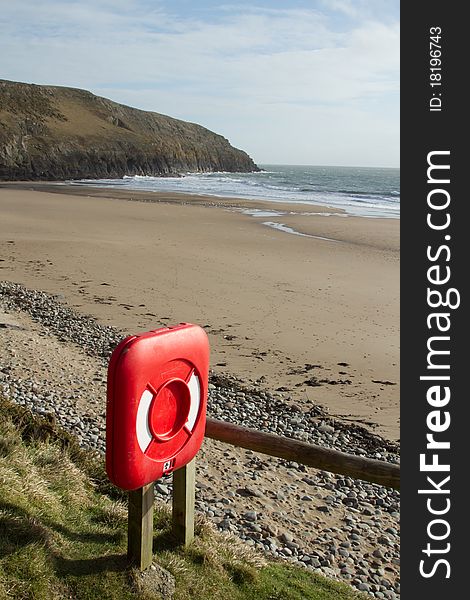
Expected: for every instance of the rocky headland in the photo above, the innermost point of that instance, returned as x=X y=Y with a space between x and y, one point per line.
x=56 y=133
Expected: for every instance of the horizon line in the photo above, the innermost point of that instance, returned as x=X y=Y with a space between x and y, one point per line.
x=283 y=164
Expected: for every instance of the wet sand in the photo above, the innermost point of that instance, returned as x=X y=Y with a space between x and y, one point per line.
x=316 y=319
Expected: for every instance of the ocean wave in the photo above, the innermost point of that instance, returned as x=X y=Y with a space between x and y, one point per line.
x=368 y=192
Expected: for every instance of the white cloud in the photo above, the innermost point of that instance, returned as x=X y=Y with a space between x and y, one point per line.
x=228 y=74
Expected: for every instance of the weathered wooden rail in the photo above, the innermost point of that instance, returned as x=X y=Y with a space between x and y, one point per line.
x=326 y=459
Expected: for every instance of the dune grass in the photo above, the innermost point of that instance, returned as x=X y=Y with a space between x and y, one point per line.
x=63 y=533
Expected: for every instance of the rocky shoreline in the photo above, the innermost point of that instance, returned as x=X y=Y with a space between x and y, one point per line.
x=347 y=528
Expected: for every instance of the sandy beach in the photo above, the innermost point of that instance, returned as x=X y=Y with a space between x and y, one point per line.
x=315 y=319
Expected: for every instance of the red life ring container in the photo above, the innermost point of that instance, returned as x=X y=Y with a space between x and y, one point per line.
x=156 y=408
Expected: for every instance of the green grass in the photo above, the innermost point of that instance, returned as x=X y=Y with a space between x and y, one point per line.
x=63 y=533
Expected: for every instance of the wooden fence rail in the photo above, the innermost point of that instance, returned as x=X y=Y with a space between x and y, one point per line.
x=368 y=469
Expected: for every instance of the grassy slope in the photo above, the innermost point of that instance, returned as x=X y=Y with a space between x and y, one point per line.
x=63 y=533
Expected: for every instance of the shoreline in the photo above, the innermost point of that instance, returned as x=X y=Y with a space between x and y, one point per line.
x=317 y=221
x=89 y=190
x=236 y=191
x=314 y=321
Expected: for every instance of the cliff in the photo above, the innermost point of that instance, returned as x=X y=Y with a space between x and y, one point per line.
x=54 y=133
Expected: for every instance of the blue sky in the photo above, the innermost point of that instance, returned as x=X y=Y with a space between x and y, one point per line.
x=290 y=82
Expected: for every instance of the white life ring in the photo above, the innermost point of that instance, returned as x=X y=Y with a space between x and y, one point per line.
x=142 y=424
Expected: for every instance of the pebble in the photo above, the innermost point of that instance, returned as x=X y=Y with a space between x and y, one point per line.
x=251 y=515
x=162 y=489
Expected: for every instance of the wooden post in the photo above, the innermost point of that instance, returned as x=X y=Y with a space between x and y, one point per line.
x=140 y=527
x=183 y=503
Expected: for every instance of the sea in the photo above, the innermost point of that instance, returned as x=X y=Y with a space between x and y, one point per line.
x=359 y=191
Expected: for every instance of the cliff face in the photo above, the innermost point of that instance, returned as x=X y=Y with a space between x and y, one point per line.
x=54 y=133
